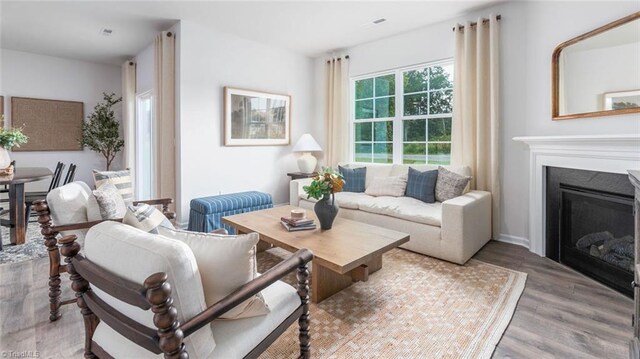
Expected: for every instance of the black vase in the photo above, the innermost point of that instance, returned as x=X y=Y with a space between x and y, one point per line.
x=326 y=210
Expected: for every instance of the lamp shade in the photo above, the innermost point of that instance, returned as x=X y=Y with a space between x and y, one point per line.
x=306 y=143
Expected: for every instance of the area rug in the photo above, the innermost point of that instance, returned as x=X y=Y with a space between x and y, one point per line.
x=32 y=249
x=414 y=307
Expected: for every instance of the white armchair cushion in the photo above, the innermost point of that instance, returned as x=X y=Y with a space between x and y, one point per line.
x=135 y=255
x=73 y=203
x=236 y=338
x=225 y=263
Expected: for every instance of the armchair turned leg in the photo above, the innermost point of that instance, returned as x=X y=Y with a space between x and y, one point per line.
x=303 y=321
x=51 y=243
x=80 y=286
x=165 y=317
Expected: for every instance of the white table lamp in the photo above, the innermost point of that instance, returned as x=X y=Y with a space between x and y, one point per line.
x=306 y=144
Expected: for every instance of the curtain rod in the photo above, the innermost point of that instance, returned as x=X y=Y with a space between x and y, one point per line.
x=339 y=58
x=484 y=21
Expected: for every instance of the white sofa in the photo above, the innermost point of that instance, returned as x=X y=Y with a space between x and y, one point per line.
x=453 y=230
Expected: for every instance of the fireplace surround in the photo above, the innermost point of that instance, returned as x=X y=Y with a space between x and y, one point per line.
x=604 y=153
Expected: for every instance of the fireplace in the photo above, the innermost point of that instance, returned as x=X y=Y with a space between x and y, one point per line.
x=590 y=224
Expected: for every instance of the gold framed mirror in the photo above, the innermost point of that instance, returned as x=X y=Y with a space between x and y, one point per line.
x=598 y=73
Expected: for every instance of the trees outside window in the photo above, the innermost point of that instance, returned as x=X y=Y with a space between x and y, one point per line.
x=404 y=116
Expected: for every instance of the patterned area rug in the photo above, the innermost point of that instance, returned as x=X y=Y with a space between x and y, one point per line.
x=33 y=248
x=414 y=307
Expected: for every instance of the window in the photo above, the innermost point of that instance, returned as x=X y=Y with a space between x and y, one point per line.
x=404 y=116
x=144 y=146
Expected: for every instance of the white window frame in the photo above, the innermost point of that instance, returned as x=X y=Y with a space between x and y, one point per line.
x=399 y=117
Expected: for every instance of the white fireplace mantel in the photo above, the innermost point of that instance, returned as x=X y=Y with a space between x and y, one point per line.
x=605 y=153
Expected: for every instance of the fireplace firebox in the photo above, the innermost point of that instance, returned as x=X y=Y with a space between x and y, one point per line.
x=590 y=224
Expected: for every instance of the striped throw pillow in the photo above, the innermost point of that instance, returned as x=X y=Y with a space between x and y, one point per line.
x=146 y=218
x=120 y=179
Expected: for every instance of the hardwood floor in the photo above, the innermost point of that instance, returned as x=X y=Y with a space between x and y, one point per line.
x=561 y=314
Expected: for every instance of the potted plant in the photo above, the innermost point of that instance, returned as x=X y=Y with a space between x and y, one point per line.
x=102 y=132
x=323 y=188
x=9 y=138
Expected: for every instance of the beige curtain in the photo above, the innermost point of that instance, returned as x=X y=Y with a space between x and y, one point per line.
x=129 y=114
x=164 y=115
x=336 y=111
x=476 y=124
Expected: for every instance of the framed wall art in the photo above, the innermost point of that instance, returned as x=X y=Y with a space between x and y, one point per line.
x=621 y=100
x=253 y=118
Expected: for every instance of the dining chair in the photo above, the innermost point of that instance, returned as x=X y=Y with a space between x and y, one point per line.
x=30 y=197
x=71 y=173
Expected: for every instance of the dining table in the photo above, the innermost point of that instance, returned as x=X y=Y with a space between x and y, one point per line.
x=17 y=217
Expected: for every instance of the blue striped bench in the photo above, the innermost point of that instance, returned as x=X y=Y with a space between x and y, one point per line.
x=207 y=212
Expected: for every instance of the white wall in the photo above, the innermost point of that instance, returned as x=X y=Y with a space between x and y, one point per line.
x=529 y=33
x=144 y=70
x=30 y=75
x=209 y=61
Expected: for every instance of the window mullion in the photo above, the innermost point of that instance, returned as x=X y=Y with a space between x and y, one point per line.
x=397 y=121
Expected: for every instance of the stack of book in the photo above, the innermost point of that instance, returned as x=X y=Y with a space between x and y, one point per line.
x=297 y=224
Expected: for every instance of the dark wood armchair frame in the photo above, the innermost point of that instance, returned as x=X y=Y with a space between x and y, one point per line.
x=50 y=233
x=155 y=294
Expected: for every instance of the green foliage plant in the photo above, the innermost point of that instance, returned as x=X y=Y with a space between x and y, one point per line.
x=102 y=132
x=13 y=137
x=326 y=182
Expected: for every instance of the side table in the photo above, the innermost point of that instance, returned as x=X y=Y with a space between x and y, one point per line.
x=299 y=175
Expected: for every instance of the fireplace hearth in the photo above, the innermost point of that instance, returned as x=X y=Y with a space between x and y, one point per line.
x=590 y=224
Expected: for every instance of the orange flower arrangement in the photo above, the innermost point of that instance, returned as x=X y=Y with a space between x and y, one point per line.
x=326 y=182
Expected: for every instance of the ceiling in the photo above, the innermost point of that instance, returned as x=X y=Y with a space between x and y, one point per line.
x=72 y=29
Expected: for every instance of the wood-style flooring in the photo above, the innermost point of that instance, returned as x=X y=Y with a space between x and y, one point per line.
x=561 y=314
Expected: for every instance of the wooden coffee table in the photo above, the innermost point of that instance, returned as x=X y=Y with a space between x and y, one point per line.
x=347 y=253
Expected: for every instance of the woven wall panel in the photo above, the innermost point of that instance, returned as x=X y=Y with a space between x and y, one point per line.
x=50 y=124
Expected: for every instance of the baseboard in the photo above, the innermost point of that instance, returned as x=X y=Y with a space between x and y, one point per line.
x=182 y=225
x=524 y=242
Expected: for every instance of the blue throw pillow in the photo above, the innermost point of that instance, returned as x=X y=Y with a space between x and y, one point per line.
x=354 y=178
x=422 y=185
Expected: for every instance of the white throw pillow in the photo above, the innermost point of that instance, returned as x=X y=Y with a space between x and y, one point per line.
x=393 y=186
x=225 y=263
x=112 y=205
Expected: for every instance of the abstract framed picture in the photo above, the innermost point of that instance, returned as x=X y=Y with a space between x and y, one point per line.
x=621 y=100
x=253 y=118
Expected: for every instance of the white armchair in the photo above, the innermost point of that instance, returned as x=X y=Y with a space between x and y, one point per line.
x=141 y=296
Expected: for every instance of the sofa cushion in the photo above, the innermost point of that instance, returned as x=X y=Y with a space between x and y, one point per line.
x=225 y=263
x=73 y=203
x=422 y=185
x=407 y=208
x=354 y=178
x=450 y=184
x=388 y=186
x=135 y=255
x=236 y=338
x=351 y=200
